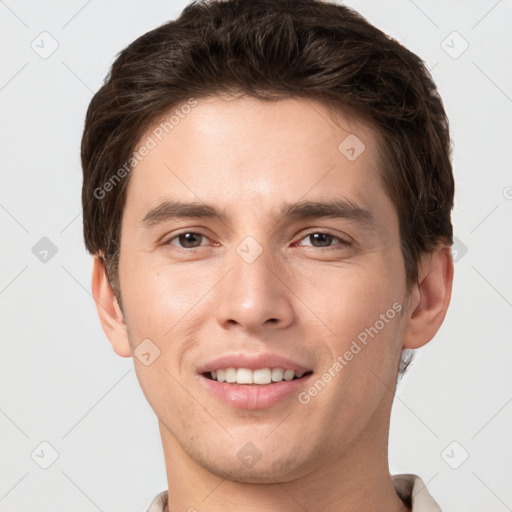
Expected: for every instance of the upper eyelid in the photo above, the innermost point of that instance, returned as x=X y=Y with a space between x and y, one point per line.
x=326 y=232
x=176 y=235
x=348 y=240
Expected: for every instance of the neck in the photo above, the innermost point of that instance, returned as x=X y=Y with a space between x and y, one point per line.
x=354 y=481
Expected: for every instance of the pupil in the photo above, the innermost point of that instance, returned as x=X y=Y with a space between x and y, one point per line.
x=188 y=239
x=323 y=238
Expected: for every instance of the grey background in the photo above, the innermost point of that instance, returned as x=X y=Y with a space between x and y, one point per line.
x=60 y=382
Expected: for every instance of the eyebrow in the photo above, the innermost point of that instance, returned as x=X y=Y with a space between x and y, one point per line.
x=172 y=210
x=336 y=208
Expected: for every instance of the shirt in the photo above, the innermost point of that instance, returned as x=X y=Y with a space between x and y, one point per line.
x=410 y=488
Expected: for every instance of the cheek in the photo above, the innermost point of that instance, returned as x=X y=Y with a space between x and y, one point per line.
x=167 y=306
x=156 y=298
x=361 y=306
x=161 y=312
x=349 y=298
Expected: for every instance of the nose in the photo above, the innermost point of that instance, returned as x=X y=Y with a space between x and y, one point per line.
x=255 y=295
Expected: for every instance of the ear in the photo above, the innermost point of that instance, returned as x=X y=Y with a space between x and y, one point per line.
x=430 y=298
x=110 y=313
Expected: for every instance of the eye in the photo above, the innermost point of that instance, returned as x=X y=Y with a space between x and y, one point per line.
x=321 y=239
x=188 y=240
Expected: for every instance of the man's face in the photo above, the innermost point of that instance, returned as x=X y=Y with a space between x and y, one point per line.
x=262 y=290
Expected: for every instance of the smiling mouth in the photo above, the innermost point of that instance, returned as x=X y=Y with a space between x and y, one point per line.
x=262 y=376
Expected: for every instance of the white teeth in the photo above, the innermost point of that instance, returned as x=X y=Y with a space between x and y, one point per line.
x=277 y=374
x=288 y=375
x=231 y=375
x=244 y=376
x=260 y=376
x=263 y=376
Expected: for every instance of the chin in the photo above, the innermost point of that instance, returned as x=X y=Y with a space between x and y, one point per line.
x=276 y=466
x=260 y=474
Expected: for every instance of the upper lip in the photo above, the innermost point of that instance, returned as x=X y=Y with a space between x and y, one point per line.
x=252 y=362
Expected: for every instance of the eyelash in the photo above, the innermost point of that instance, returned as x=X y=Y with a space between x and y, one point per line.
x=342 y=241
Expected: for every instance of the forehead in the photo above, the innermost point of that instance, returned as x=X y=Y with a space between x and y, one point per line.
x=247 y=153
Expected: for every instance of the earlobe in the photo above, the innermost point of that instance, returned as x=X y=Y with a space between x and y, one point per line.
x=111 y=316
x=430 y=298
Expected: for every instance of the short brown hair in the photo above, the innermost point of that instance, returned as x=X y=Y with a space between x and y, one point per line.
x=271 y=50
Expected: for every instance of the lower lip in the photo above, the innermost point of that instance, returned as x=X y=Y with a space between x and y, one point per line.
x=254 y=396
